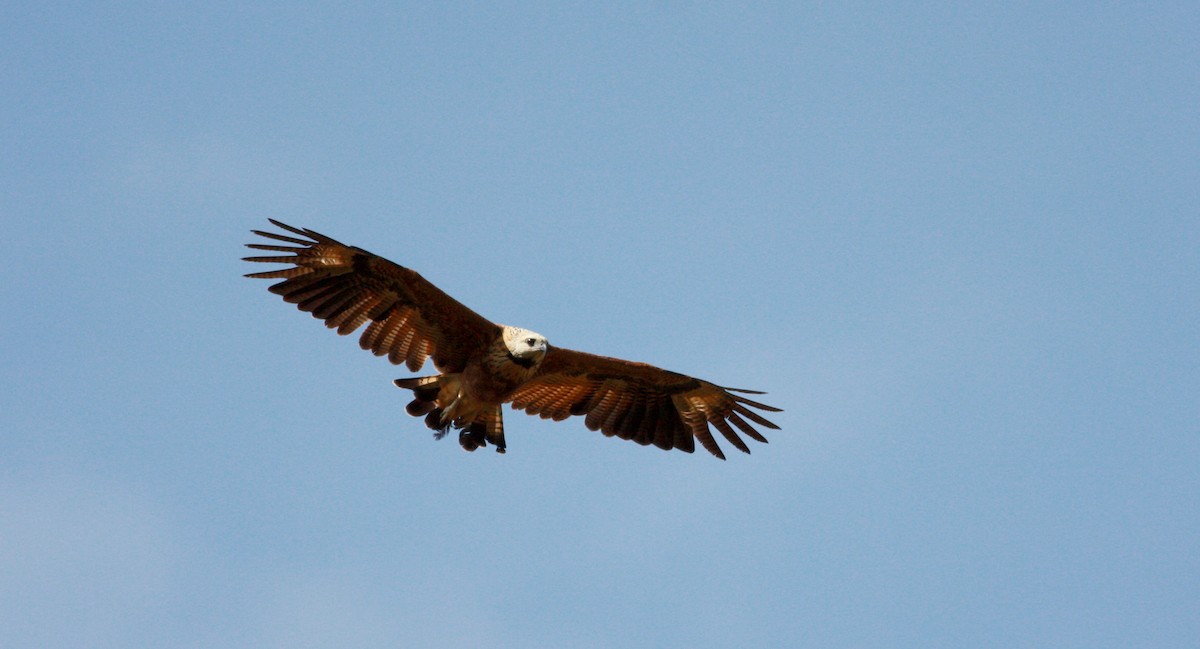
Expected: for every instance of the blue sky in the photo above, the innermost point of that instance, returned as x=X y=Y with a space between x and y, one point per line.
x=959 y=245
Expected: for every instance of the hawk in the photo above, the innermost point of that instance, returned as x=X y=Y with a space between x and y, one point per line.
x=482 y=365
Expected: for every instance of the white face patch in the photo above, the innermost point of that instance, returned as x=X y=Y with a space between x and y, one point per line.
x=525 y=344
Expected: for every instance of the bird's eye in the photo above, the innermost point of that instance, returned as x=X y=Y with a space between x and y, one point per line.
x=530 y=341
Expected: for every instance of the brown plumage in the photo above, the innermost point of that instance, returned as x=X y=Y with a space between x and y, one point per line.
x=483 y=365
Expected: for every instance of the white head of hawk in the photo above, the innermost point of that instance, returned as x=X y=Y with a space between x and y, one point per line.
x=525 y=347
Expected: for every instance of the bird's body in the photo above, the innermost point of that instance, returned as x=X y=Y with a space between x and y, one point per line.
x=471 y=399
x=483 y=365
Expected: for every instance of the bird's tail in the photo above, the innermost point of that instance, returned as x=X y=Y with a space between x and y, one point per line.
x=440 y=400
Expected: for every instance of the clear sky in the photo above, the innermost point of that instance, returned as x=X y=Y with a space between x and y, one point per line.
x=959 y=244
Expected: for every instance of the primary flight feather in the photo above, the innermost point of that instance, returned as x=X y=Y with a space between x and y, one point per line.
x=483 y=365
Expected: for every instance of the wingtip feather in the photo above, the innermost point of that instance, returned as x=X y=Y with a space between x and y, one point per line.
x=743 y=390
x=756 y=404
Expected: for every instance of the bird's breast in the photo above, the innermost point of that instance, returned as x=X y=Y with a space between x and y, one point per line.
x=495 y=377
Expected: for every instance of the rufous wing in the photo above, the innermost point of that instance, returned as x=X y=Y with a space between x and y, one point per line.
x=347 y=287
x=640 y=402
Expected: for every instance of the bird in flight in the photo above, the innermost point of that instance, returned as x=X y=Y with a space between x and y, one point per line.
x=482 y=365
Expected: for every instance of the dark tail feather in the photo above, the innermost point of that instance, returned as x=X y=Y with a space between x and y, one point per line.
x=425 y=389
x=493 y=427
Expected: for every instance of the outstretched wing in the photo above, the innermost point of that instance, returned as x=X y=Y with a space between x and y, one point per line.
x=411 y=319
x=639 y=402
